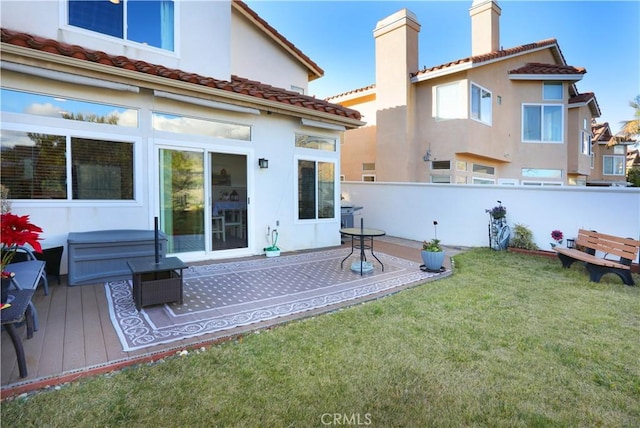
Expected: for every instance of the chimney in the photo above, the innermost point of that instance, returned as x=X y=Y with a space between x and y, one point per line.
x=396 y=41
x=485 y=26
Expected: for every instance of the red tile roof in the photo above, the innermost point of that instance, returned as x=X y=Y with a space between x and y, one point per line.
x=236 y=84
x=477 y=59
x=538 y=68
x=587 y=98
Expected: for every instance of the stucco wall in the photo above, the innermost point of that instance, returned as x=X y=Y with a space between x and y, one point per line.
x=407 y=210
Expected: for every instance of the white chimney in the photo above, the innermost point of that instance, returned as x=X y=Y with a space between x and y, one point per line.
x=485 y=26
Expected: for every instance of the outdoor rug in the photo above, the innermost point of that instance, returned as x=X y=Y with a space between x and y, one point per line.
x=225 y=295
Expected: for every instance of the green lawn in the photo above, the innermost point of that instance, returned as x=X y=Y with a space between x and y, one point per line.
x=508 y=340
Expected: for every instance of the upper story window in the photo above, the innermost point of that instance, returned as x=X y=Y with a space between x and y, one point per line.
x=480 y=104
x=552 y=91
x=613 y=165
x=150 y=22
x=542 y=123
x=447 y=101
x=586 y=143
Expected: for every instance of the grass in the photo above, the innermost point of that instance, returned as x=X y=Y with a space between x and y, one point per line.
x=509 y=340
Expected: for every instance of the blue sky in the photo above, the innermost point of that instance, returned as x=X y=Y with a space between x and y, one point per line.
x=601 y=36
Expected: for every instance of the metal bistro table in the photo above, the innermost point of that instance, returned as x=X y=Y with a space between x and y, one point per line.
x=362 y=239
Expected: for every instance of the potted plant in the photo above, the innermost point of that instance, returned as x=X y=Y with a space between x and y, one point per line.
x=15 y=231
x=432 y=253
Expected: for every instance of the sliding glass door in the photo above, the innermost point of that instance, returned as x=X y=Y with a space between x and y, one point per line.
x=203 y=204
x=229 y=201
x=182 y=199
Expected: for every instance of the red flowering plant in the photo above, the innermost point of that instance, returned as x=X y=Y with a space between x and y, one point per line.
x=16 y=231
x=557 y=236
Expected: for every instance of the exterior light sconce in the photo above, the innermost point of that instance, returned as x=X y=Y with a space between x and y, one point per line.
x=571 y=243
x=263 y=163
x=427 y=156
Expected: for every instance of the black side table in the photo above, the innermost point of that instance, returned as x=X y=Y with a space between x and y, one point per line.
x=157 y=283
x=20 y=309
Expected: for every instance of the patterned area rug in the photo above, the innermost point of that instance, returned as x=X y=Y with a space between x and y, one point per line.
x=226 y=295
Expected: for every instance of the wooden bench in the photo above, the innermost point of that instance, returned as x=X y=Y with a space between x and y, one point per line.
x=596 y=249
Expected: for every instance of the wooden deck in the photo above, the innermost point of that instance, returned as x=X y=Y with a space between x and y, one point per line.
x=76 y=337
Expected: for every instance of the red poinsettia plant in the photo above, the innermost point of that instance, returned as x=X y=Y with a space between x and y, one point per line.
x=17 y=231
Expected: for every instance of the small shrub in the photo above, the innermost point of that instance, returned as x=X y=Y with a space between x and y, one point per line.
x=522 y=238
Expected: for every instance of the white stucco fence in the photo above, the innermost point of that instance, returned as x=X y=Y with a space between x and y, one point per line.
x=407 y=210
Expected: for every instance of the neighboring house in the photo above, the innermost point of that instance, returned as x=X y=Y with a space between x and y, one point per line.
x=609 y=157
x=501 y=116
x=633 y=159
x=107 y=124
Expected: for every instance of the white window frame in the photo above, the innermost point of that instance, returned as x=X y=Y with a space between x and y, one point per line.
x=615 y=159
x=482 y=180
x=585 y=143
x=336 y=202
x=541 y=183
x=542 y=123
x=63 y=17
x=446 y=179
x=68 y=133
x=482 y=118
x=554 y=85
x=453 y=109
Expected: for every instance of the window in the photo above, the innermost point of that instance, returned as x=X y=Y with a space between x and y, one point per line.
x=483 y=169
x=369 y=177
x=585 y=143
x=316 y=143
x=552 y=91
x=540 y=183
x=613 y=165
x=542 y=123
x=35 y=166
x=441 y=164
x=209 y=128
x=368 y=166
x=477 y=180
x=150 y=22
x=316 y=190
x=541 y=173
x=441 y=179
x=480 y=104
x=67 y=108
x=448 y=105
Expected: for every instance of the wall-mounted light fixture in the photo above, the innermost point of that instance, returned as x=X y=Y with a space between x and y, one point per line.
x=571 y=243
x=263 y=163
x=427 y=156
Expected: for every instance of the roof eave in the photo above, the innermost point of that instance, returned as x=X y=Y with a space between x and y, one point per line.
x=314 y=71
x=18 y=54
x=441 y=72
x=554 y=77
